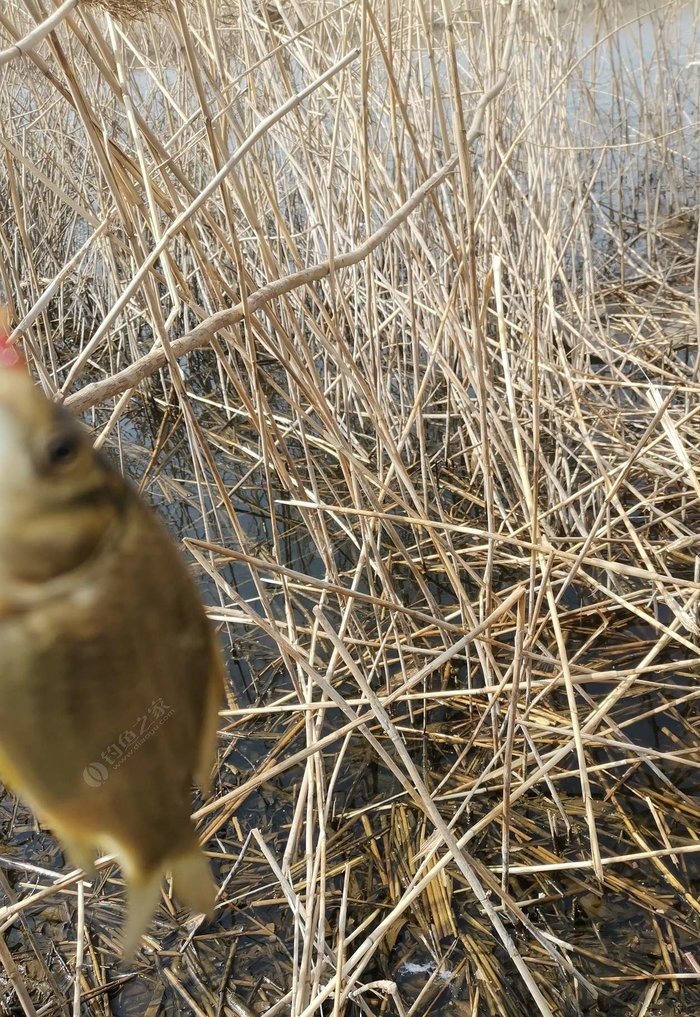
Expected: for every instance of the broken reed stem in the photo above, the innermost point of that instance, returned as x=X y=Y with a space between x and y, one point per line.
x=383 y=310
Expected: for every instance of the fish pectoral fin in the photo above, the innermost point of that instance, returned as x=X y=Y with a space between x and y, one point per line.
x=193 y=882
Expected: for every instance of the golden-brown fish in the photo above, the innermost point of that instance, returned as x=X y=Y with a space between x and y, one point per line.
x=110 y=675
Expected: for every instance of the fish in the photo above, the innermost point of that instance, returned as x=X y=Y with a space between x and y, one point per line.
x=111 y=675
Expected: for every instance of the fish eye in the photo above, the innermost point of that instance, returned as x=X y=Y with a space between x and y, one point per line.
x=62 y=450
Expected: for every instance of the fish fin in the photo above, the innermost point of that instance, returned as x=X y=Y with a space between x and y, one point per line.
x=142 y=898
x=9 y=776
x=210 y=717
x=79 y=850
x=193 y=882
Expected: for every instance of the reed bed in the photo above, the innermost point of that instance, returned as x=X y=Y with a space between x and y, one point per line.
x=392 y=308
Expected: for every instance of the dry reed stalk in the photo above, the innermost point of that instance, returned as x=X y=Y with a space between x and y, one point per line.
x=128 y=9
x=392 y=308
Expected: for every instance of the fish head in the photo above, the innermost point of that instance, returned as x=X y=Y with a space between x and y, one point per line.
x=58 y=496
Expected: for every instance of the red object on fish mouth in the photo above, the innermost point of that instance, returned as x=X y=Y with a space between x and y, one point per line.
x=10 y=355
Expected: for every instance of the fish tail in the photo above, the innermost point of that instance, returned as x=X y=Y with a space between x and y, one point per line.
x=142 y=898
x=193 y=884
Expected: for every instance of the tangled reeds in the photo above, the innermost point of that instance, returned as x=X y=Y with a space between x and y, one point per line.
x=393 y=309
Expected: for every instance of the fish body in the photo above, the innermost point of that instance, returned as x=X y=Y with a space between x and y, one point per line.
x=110 y=674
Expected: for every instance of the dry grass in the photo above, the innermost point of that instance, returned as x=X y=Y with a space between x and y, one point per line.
x=393 y=307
